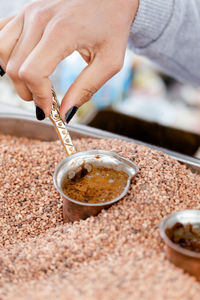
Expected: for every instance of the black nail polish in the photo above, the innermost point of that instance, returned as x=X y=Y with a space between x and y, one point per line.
x=69 y=115
x=39 y=114
x=1 y=72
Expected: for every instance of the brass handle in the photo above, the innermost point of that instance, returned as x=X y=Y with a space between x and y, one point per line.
x=60 y=127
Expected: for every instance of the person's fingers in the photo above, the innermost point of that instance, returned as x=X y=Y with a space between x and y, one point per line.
x=5 y=21
x=32 y=33
x=29 y=38
x=101 y=69
x=9 y=36
x=41 y=63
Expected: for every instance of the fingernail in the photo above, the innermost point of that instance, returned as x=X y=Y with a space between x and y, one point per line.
x=39 y=114
x=1 y=72
x=69 y=115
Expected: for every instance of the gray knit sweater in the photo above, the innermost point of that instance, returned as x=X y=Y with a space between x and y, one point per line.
x=168 y=32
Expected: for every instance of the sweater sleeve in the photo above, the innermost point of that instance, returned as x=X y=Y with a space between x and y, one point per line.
x=168 y=33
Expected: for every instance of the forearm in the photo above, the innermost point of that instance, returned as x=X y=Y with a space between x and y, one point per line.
x=168 y=32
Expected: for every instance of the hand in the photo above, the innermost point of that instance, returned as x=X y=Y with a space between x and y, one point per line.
x=33 y=43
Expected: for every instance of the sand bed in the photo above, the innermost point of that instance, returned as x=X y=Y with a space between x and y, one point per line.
x=116 y=255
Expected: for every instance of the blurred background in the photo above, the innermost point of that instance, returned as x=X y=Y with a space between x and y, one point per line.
x=139 y=102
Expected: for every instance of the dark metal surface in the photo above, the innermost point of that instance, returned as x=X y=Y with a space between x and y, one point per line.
x=160 y=135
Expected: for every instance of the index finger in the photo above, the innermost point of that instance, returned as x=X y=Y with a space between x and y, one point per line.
x=40 y=64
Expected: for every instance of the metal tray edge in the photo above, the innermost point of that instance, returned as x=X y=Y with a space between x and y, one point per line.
x=80 y=130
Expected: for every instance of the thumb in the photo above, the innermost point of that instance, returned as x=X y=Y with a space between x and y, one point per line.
x=87 y=84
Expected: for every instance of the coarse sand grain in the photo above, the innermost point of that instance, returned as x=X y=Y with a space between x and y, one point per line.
x=117 y=255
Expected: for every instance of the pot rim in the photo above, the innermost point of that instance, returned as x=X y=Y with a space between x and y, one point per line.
x=96 y=152
x=168 y=242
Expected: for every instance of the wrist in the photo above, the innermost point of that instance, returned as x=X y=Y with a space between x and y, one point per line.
x=150 y=21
